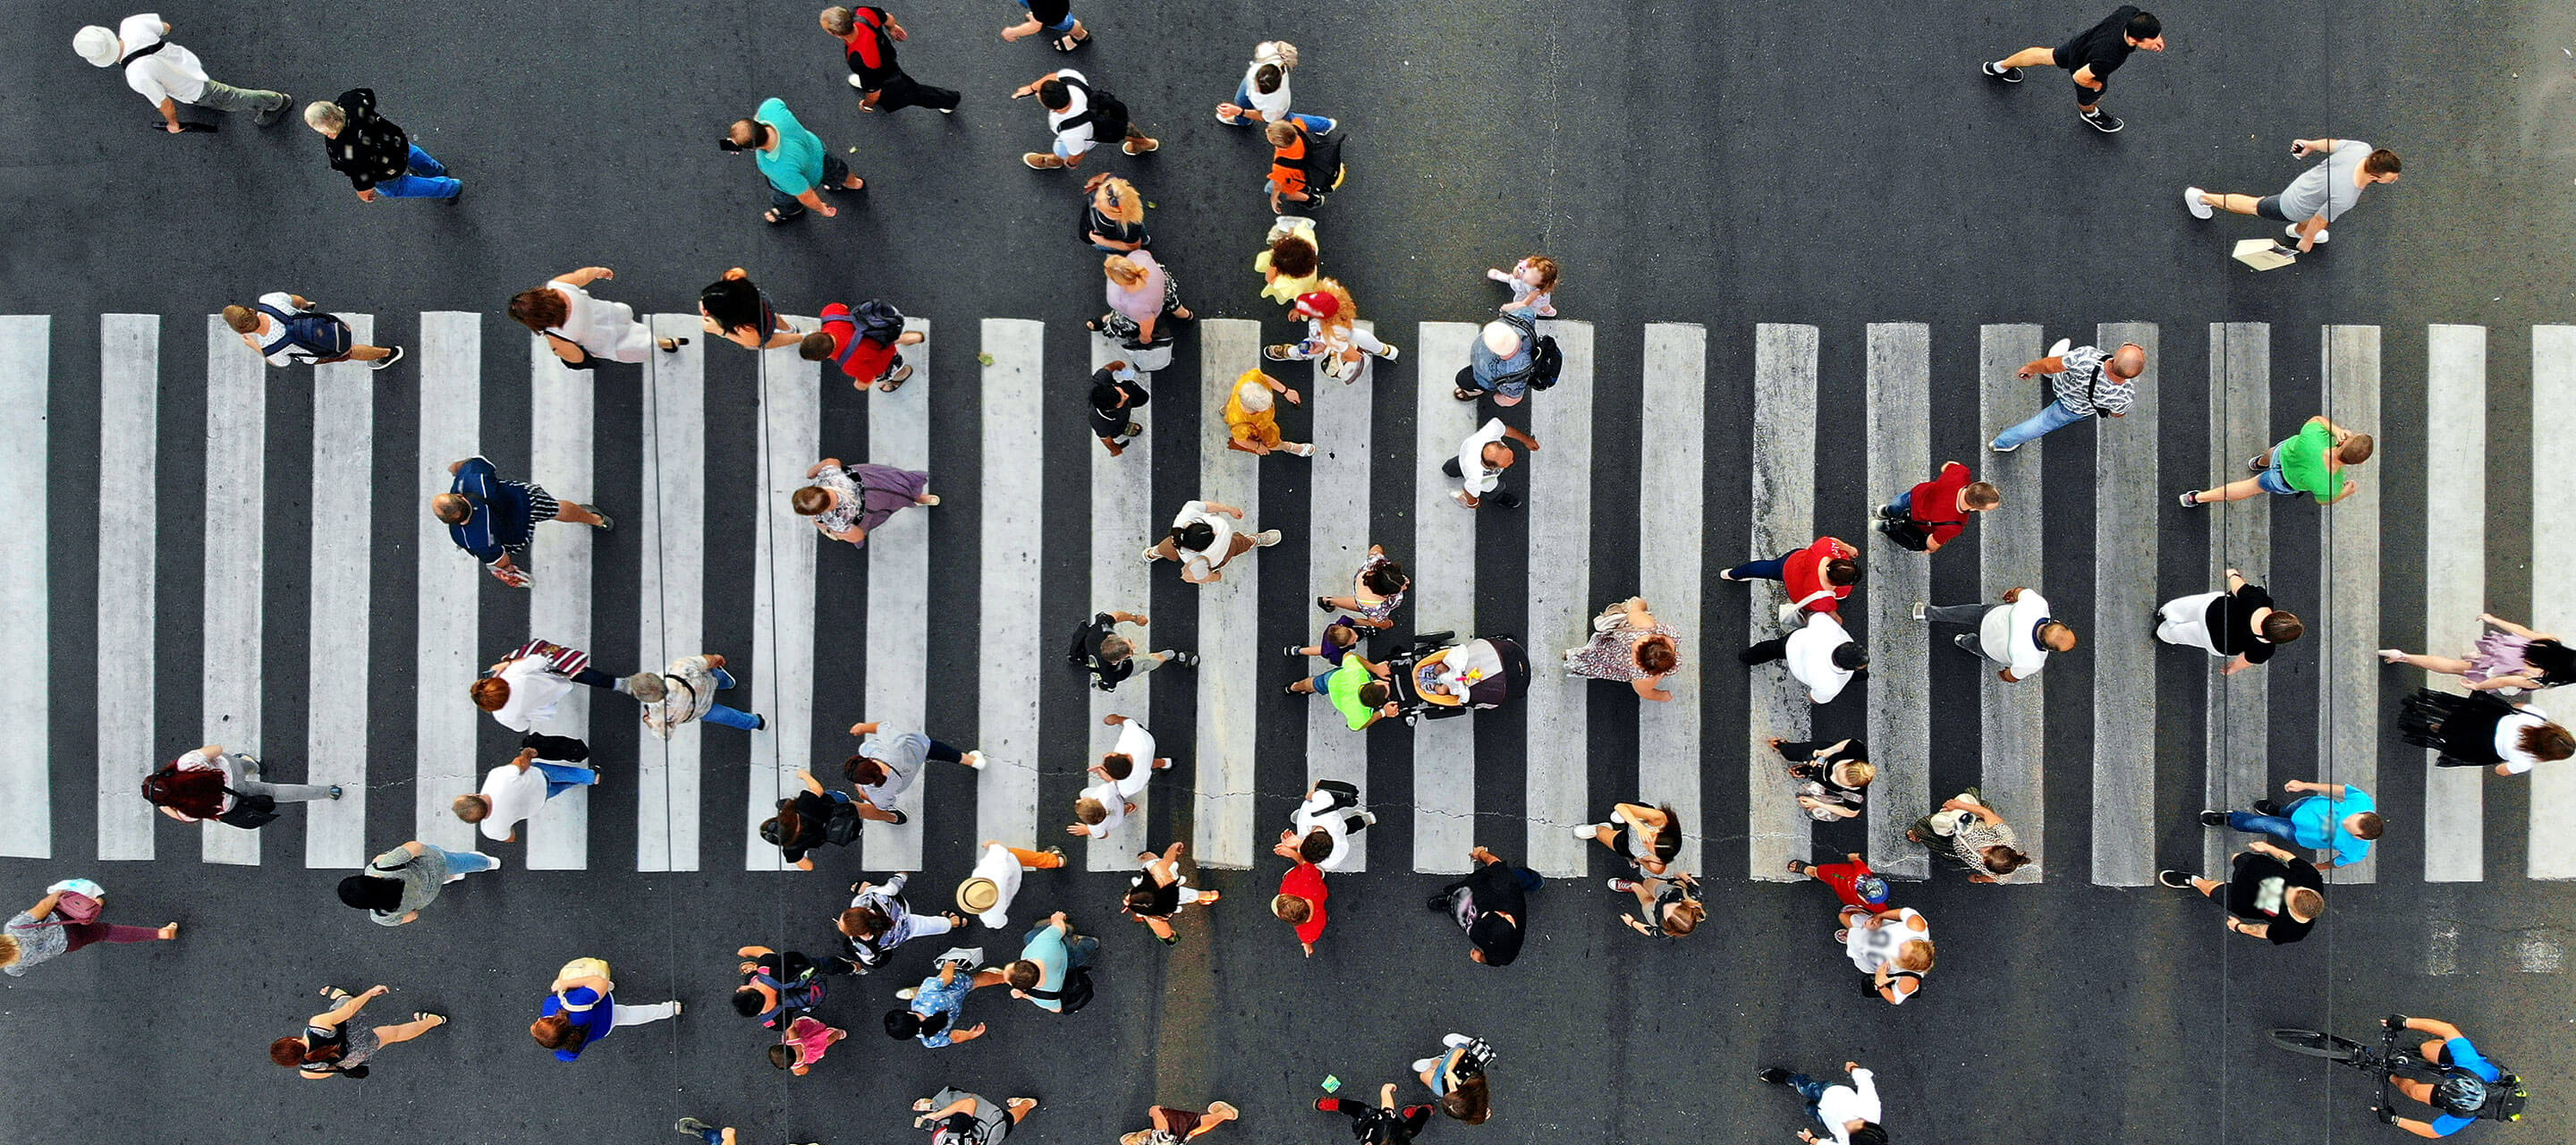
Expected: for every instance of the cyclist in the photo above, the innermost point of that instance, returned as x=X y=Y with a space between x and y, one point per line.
x=2470 y=1087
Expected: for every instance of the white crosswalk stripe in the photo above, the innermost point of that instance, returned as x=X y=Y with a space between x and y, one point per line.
x=2553 y=583
x=1672 y=572
x=560 y=445
x=1229 y=676
x=26 y=628
x=1560 y=603
x=1443 y=599
x=2013 y=725
x=669 y=520
x=1784 y=518
x=236 y=555
x=788 y=557
x=897 y=686
x=2349 y=720
x=2240 y=537
x=1006 y=791
x=2126 y=510
x=1337 y=541
x=1900 y=681
x=128 y=535
x=447 y=618
x=1122 y=517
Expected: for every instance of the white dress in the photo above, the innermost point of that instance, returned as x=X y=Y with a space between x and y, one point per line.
x=602 y=327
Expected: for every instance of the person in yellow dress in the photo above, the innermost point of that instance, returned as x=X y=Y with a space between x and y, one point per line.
x=1252 y=416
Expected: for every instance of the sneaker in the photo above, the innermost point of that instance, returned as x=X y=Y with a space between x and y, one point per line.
x=606 y=522
x=2102 y=121
x=2266 y=807
x=1391 y=353
x=2191 y=201
x=973 y=759
x=1150 y=555
x=387 y=360
x=2001 y=448
x=2391 y=655
x=1135 y=429
x=1774 y=1075
x=854 y=82
x=2213 y=818
x=2178 y=880
x=1306 y=449
x=907 y=993
x=759 y=723
x=1277 y=353
x=1993 y=71
x=1622 y=886
x=285 y=103
x=1962 y=641
x=2190 y=498
x=2293 y=231
x=1588 y=832
x=1043 y=161
x=1423 y=1065
x=335 y=791
x=691 y=1126
x=1456 y=1041
x=1437 y=904
x=1293 y=652
x=2258 y=463
x=1726 y=574
x=1186 y=659
x=1150 y=145
x=900 y=818
x=1265 y=538
x=1919 y=608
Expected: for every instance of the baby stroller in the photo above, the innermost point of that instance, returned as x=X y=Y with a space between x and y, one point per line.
x=1435 y=679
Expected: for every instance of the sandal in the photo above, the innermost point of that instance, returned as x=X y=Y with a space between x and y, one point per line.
x=773 y=218
x=335 y=994
x=1798 y=866
x=1067 y=43
x=434 y=1020
x=1324 y=603
x=895 y=380
x=1465 y=395
x=672 y=345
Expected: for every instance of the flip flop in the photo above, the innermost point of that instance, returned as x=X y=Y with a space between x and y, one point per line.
x=1465 y=395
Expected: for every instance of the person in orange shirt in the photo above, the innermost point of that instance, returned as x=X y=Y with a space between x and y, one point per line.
x=1287 y=164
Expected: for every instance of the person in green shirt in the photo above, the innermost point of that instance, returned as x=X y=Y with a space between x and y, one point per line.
x=799 y=168
x=2311 y=462
x=1358 y=688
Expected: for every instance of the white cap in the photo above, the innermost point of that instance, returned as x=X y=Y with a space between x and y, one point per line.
x=97 y=45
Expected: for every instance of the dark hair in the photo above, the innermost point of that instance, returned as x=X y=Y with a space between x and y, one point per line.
x=1140 y=900
x=1052 y=94
x=758 y=131
x=1376 y=693
x=2368 y=825
x=1119 y=765
x=1668 y=841
x=1869 y=1134
x=196 y=794
x=1468 y=1101
x=815 y=347
x=1983 y=495
x=1842 y=571
x=810 y=501
x=1295 y=909
x=2282 y=627
x=2002 y=860
x=869 y=920
x=901 y=1024
x=368 y=892
x=1265 y=79
x=1658 y=655
x=1850 y=656
x=2547 y=742
x=783 y=828
x=287 y=1051
x=538 y=309
x=1195 y=536
x=2382 y=162
x=734 y=303
x=2144 y=26
x=748 y=1002
x=2555 y=660
x=781 y=1057
x=1293 y=256
x=2356 y=449
x=858 y=768
x=1345 y=635
x=1316 y=846
x=1023 y=975
x=1388 y=577
x=556 y=1032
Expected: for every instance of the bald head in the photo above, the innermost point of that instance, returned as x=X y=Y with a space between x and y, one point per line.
x=2129 y=361
x=1502 y=339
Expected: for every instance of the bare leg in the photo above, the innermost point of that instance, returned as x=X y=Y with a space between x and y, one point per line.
x=575 y=513
x=874 y=813
x=2232 y=204
x=369 y=353
x=418 y=1025
x=2444 y=665
x=2232 y=491
x=2030 y=58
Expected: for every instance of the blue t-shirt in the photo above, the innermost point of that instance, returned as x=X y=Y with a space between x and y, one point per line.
x=1045 y=946
x=949 y=1000
x=2459 y=1052
x=500 y=522
x=595 y=1022
x=797 y=165
x=2317 y=823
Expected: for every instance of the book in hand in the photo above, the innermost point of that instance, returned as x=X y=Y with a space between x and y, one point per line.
x=2264 y=254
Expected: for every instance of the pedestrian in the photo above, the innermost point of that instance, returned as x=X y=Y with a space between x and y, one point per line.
x=286 y=329
x=1820 y=654
x=332 y=1046
x=1831 y=778
x=1340 y=636
x=867 y=344
x=515 y=790
x=1333 y=333
x=2507 y=658
x=1491 y=904
x=2269 y=893
x=523 y=689
x=581 y=1008
x=210 y=783
x=2016 y=635
x=2482 y=728
x=1204 y=537
x=580 y=328
x=707 y=1134
x=1893 y=947
x=1113 y=215
x=804 y=1043
x=1852 y=880
x=393 y=887
x=1629 y=645
x=1817 y=577
x=1252 y=417
x=2306 y=464
x=777 y=987
x=1080 y=116
x=1505 y=361
x=1055 y=20
x=812 y=819
x=1666 y=907
x=63 y=921
x=1116 y=392
x=1319 y=831
x=956 y=1117
x=1155 y=893
x=1849 y=1113
x=878 y=920
x=491 y=518
x=1970 y=836
x=1110 y=657
x=2089 y=59
x=2339 y=822
x=1377 y=590
x=1935 y=512
x=1139 y=292
x=797 y=165
x=1480 y=463
x=1301 y=902
x=868 y=35
x=1289 y=263
x=1123 y=773
x=380 y=160
x=988 y=892
x=1357 y=687
x=2239 y=623
x=2319 y=196
x=1054 y=967
x=1533 y=284
x=1648 y=838
x=2082 y=382
x=1384 y=1123
x=888 y=762
x=1167 y=1125
x=737 y=310
x=686 y=691
x=1263 y=94
x=167 y=75
x=1458 y=1077
x=847 y=502
x=937 y=1012
x=1305 y=162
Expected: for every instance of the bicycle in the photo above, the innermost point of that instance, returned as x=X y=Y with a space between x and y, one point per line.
x=2452 y=1090
x=2382 y=1061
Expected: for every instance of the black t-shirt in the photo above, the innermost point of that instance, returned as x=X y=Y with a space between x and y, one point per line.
x=2260 y=882
x=1086 y=653
x=1494 y=889
x=1053 y=12
x=814 y=816
x=2231 y=624
x=2104 y=46
x=1109 y=420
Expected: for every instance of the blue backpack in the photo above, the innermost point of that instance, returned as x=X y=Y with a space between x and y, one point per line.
x=874 y=320
x=318 y=335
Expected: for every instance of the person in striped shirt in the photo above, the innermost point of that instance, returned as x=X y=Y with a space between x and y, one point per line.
x=492 y=518
x=2086 y=383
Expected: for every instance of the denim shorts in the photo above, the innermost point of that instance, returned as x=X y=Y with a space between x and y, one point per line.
x=1319 y=679
x=1062 y=29
x=2273 y=480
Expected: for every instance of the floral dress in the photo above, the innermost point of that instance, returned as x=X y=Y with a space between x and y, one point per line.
x=1612 y=653
x=869 y=494
x=1371 y=605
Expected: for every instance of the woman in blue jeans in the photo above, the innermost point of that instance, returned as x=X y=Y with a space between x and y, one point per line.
x=686 y=691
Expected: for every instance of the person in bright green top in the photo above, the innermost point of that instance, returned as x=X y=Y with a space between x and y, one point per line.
x=799 y=168
x=2311 y=463
x=1358 y=688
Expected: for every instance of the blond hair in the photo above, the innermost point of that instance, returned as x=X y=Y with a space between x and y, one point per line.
x=325 y=116
x=1123 y=271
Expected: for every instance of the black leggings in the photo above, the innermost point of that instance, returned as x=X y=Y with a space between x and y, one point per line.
x=556 y=749
x=595 y=678
x=946 y=754
x=1776 y=648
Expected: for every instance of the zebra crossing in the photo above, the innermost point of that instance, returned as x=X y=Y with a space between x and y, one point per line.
x=1215 y=760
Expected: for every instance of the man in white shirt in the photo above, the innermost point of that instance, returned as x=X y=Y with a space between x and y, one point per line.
x=1849 y=1112
x=2017 y=634
x=1204 y=537
x=1123 y=773
x=169 y=75
x=987 y=893
x=1480 y=463
x=514 y=791
x=1075 y=115
x=270 y=326
x=1320 y=830
x=1821 y=655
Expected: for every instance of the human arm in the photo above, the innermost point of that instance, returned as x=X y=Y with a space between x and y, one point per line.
x=811 y=784
x=2498 y=622
x=1650 y=688
x=1030 y=88
x=2349 y=488
x=347 y=1010
x=2037 y=366
x=2306 y=147
x=964 y=1105
x=170 y=116
x=2085 y=78
x=2235 y=664
x=2330 y=790
x=1221 y=507
x=585 y=276
x=1514 y=433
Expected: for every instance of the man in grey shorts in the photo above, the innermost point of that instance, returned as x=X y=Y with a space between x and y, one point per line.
x=2320 y=195
x=170 y=75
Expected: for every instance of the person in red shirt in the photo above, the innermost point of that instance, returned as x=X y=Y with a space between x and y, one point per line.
x=1852 y=880
x=1301 y=903
x=871 y=359
x=1818 y=576
x=1938 y=509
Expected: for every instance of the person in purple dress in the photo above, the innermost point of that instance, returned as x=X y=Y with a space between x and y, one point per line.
x=847 y=502
x=2507 y=658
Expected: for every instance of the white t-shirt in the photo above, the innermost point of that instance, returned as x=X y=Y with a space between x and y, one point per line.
x=1200 y=564
x=534 y=692
x=1000 y=865
x=2013 y=631
x=171 y=73
x=1137 y=744
x=1475 y=476
x=1843 y=1103
x=271 y=330
x=1271 y=106
x=1110 y=797
x=1077 y=139
x=515 y=795
x=1333 y=824
x=1869 y=946
x=1811 y=657
x=2508 y=739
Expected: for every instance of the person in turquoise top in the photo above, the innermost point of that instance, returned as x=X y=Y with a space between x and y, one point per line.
x=799 y=168
x=1357 y=688
x=1048 y=956
x=2311 y=463
x=2339 y=822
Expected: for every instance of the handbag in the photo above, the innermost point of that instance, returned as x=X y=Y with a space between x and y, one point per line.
x=583 y=968
x=248 y=812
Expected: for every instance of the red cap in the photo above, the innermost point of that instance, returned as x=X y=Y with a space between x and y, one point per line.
x=1318 y=304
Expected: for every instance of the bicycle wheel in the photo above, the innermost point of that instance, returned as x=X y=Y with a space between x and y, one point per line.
x=2316 y=1045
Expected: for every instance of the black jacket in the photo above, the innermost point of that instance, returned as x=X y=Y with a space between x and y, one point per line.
x=370 y=149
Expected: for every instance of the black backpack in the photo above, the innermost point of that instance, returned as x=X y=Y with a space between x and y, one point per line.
x=1323 y=161
x=1547 y=360
x=1106 y=115
x=1910 y=534
x=318 y=335
x=1076 y=994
